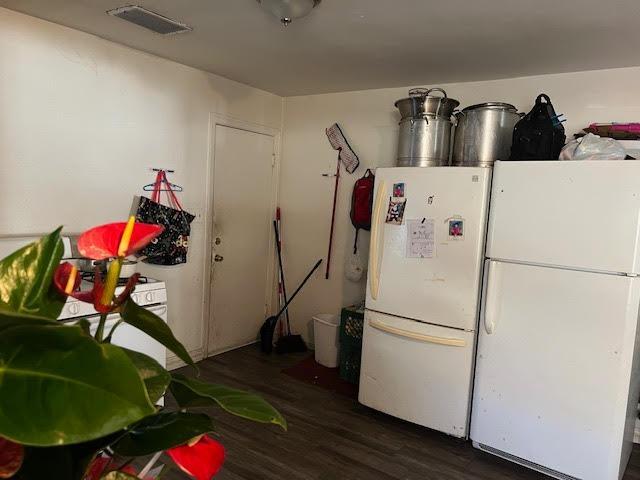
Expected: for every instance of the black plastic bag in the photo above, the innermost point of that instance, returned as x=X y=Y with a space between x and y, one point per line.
x=171 y=247
x=539 y=135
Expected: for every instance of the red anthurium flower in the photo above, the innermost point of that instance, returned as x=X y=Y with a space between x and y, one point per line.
x=66 y=282
x=103 y=242
x=63 y=276
x=11 y=456
x=201 y=460
x=97 y=467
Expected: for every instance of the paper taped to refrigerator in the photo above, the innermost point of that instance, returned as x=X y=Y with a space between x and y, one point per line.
x=421 y=238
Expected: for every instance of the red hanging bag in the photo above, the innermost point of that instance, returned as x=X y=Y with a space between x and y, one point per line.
x=362 y=204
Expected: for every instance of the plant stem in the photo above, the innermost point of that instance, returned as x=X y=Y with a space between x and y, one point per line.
x=113 y=329
x=110 y=284
x=100 y=330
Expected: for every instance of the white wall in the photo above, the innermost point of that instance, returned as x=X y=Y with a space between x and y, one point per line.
x=83 y=119
x=369 y=120
x=81 y=122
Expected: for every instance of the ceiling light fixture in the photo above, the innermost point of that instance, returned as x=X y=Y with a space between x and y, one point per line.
x=288 y=10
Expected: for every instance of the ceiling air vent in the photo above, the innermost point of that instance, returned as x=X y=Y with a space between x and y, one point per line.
x=153 y=21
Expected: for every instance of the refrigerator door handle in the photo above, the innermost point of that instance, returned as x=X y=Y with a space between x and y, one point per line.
x=374 y=261
x=451 y=342
x=489 y=297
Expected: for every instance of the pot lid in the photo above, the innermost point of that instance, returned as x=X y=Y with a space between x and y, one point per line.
x=491 y=105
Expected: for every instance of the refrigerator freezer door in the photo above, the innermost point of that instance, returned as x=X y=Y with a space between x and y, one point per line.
x=441 y=287
x=578 y=214
x=556 y=381
x=417 y=372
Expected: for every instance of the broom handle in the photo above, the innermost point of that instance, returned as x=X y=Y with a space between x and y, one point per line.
x=281 y=298
x=333 y=219
x=299 y=287
x=282 y=284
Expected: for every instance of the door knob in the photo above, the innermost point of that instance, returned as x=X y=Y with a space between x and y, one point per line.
x=218 y=258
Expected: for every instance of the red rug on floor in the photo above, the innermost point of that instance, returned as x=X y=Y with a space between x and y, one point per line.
x=310 y=371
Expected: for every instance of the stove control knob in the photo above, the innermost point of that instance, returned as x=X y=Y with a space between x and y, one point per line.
x=149 y=296
x=134 y=297
x=74 y=308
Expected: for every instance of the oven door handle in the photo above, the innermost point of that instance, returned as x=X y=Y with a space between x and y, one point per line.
x=451 y=342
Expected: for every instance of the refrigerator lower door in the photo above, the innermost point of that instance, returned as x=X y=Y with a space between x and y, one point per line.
x=417 y=372
x=556 y=382
x=440 y=284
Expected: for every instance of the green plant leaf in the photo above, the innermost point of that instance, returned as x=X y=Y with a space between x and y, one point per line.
x=69 y=462
x=162 y=431
x=190 y=392
x=156 y=379
x=26 y=277
x=155 y=327
x=10 y=318
x=118 y=476
x=59 y=387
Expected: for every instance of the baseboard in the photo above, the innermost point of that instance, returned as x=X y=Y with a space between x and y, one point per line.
x=174 y=362
x=230 y=349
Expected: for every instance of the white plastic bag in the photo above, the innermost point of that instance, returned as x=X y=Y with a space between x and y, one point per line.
x=593 y=147
x=355 y=267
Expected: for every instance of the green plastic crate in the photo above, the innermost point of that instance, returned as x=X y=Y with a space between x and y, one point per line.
x=351 y=325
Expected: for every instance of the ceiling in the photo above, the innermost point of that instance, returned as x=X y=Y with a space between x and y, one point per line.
x=360 y=44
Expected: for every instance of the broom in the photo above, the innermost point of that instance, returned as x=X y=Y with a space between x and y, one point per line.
x=288 y=343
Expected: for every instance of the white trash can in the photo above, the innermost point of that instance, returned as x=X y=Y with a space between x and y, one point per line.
x=326 y=330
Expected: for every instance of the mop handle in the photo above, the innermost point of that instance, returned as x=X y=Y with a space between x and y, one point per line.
x=333 y=219
x=299 y=287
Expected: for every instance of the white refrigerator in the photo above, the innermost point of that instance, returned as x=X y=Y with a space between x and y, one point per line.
x=425 y=262
x=557 y=373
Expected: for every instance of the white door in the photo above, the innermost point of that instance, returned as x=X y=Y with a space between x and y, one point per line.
x=576 y=214
x=243 y=205
x=553 y=367
x=442 y=289
x=417 y=372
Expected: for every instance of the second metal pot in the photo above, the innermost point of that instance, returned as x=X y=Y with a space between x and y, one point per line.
x=484 y=133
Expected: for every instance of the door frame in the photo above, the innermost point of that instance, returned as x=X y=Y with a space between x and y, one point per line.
x=215 y=120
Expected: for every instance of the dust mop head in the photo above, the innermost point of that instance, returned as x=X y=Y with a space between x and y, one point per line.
x=346 y=154
x=290 y=344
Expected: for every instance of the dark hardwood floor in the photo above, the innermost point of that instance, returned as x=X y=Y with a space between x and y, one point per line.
x=333 y=437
